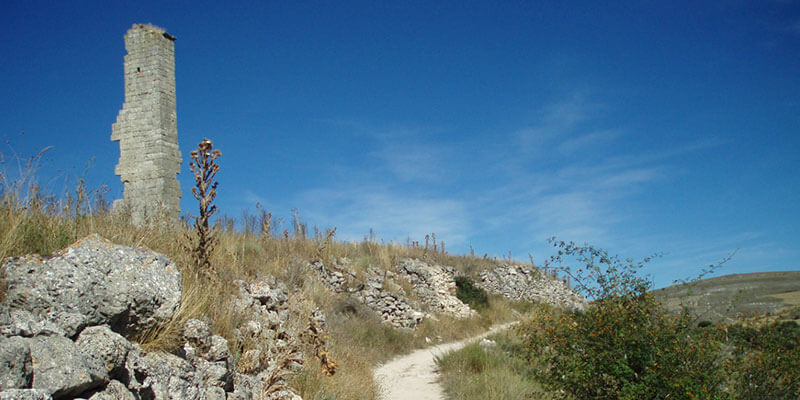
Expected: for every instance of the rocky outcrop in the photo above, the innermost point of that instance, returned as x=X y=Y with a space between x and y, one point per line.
x=436 y=287
x=377 y=292
x=338 y=278
x=523 y=283
x=391 y=307
x=65 y=320
x=94 y=282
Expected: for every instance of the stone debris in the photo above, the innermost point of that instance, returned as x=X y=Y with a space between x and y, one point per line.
x=436 y=287
x=391 y=307
x=93 y=282
x=337 y=278
x=115 y=390
x=518 y=282
x=272 y=340
x=65 y=319
x=25 y=394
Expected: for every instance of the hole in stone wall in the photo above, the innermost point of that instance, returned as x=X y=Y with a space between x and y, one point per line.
x=138 y=70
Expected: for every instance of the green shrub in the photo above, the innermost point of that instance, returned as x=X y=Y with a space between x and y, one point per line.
x=467 y=292
x=766 y=361
x=624 y=346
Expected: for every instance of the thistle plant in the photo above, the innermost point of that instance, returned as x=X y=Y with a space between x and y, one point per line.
x=204 y=168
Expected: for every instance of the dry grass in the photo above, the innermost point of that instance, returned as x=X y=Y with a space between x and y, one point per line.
x=789 y=298
x=497 y=372
x=33 y=223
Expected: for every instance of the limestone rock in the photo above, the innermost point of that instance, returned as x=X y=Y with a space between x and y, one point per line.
x=163 y=376
x=23 y=323
x=391 y=307
x=95 y=282
x=245 y=387
x=61 y=369
x=60 y=319
x=436 y=286
x=25 y=394
x=523 y=283
x=16 y=370
x=115 y=390
x=106 y=347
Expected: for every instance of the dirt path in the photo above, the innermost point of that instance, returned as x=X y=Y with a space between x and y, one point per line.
x=413 y=376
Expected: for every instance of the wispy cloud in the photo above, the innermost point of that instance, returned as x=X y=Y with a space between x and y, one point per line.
x=421 y=182
x=571 y=145
x=554 y=121
x=392 y=215
x=413 y=161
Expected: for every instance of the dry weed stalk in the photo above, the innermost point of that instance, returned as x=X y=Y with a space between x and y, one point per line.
x=325 y=244
x=280 y=369
x=265 y=220
x=204 y=169
x=281 y=362
x=316 y=337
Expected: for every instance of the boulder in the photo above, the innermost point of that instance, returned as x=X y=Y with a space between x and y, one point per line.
x=25 y=394
x=115 y=390
x=23 y=323
x=105 y=347
x=16 y=369
x=95 y=282
x=64 y=322
x=61 y=368
x=160 y=376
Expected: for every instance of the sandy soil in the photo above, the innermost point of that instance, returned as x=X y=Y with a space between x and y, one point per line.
x=414 y=376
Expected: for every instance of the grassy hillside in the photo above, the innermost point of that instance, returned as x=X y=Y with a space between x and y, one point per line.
x=732 y=297
x=251 y=249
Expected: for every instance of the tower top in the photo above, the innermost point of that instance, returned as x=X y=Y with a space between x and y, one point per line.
x=154 y=29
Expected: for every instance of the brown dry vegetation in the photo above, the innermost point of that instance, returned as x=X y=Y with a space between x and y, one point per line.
x=31 y=222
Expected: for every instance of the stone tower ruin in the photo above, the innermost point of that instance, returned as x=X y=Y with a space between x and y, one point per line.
x=147 y=129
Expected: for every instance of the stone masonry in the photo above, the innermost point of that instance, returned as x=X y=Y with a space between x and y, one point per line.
x=146 y=127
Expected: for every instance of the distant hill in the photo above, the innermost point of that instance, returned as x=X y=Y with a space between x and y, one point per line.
x=730 y=297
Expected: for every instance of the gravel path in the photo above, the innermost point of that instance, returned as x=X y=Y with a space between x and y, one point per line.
x=414 y=377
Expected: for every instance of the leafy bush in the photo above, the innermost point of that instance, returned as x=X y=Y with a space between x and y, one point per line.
x=624 y=346
x=467 y=292
x=766 y=362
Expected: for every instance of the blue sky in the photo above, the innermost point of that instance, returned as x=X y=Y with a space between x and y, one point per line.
x=640 y=127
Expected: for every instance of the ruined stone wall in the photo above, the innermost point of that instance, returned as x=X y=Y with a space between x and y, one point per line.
x=146 y=127
x=519 y=282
